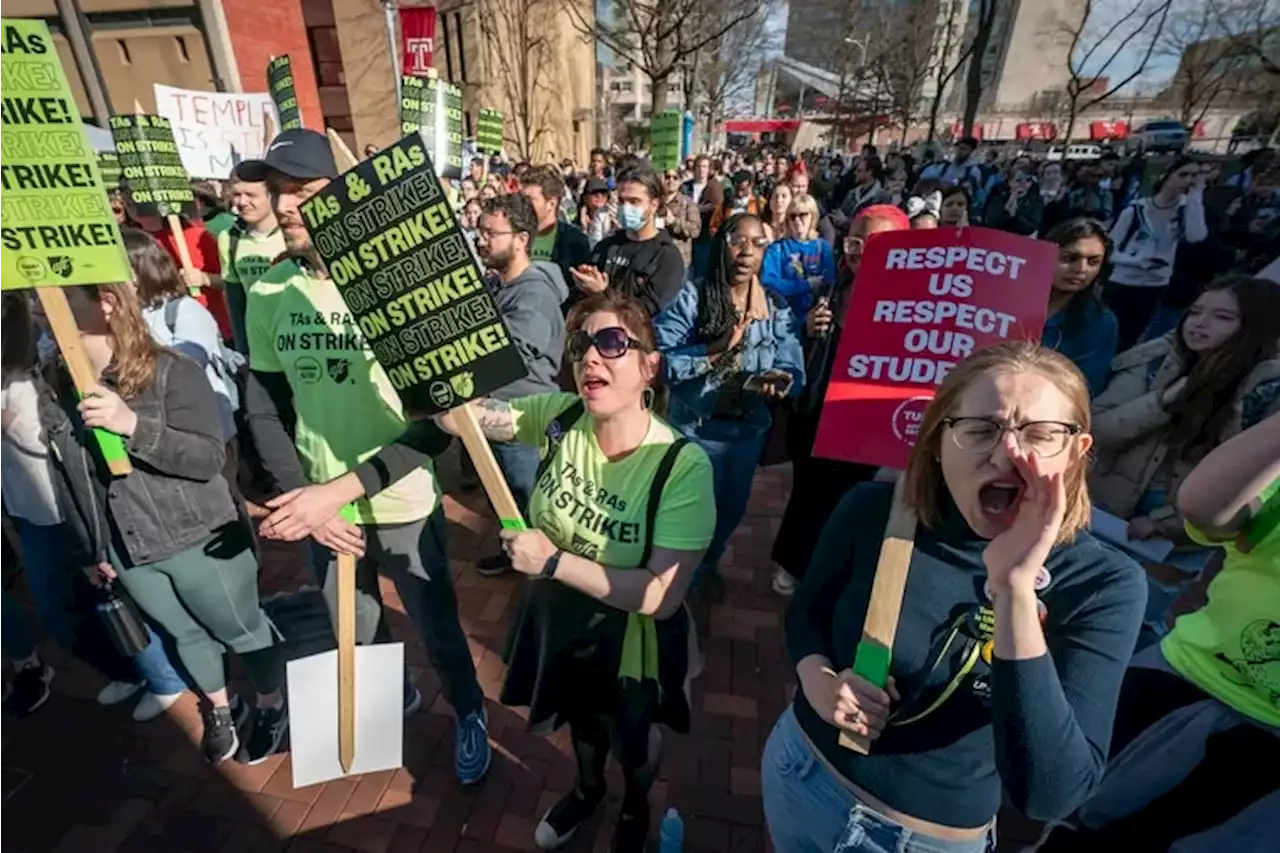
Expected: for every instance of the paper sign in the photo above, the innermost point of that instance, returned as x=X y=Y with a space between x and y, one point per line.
x=489 y=131
x=312 y=688
x=388 y=236
x=922 y=302
x=215 y=130
x=151 y=166
x=664 y=141
x=283 y=92
x=434 y=108
x=56 y=223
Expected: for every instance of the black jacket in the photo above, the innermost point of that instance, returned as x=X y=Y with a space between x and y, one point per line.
x=571 y=249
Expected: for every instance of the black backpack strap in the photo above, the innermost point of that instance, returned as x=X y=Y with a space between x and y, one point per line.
x=655 y=495
x=1134 y=224
x=556 y=431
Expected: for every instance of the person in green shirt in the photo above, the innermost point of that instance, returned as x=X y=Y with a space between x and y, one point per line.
x=313 y=373
x=557 y=241
x=621 y=513
x=247 y=249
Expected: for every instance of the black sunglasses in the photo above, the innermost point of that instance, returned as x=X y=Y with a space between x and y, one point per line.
x=610 y=342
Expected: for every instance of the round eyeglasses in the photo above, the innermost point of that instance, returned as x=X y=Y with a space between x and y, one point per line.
x=1044 y=439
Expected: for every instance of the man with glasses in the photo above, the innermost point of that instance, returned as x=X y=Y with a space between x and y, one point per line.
x=680 y=215
x=529 y=300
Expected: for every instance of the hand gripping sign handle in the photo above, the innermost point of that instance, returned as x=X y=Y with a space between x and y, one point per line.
x=876 y=648
x=347 y=653
x=63 y=325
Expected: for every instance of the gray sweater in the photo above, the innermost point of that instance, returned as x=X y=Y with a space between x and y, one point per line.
x=530 y=306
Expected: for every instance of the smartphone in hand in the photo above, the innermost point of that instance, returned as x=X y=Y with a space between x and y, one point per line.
x=780 y=378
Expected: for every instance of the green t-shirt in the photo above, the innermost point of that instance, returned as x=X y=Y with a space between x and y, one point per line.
x=219 y=223
x=1230 y=648
x=255 y=254
x=543 y=244
x=595 y=508
x=347 y=409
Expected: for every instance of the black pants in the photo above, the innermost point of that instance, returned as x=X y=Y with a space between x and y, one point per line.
x=593 y=735
x=1134 y=307
x=1239 y=768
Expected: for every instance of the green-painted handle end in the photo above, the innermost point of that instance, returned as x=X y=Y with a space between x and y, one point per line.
x=348 y=513
x=872 y=663
x=512 y=524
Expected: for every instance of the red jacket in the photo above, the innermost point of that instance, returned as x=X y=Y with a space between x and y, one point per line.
x=203 y=249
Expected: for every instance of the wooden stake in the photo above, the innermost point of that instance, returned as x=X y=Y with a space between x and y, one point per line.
x=875 y=651
x=495 y=485
x=268 y=132
x=342 y=155
x=346 y=661
x=63 y=325
x=180 y=240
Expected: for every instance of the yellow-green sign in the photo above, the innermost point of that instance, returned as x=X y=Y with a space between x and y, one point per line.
x=56 y=220
x=489 y=131
x=664 y=140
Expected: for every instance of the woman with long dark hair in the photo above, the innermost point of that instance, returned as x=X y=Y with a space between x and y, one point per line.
x=1079 y=325
x=730 y=348
x=169 y=531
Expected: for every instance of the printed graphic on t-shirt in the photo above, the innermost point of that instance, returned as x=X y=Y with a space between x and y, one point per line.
x=598 y=517
x=1259 y=661
x=252 y=267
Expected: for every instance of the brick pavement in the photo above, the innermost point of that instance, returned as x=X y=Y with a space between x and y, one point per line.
x=79 y=778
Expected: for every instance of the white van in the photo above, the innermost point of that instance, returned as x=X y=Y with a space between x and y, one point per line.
x=1080 y=151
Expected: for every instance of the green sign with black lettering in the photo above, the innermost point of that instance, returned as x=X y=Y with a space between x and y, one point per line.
x=389 y=239
x=283 y=92
x=664 y=140
x=56 y=226
x=151 y=166
x=489 y=131
x=433 y=108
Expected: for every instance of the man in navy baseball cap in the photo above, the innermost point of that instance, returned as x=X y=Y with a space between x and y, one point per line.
x=297 y=153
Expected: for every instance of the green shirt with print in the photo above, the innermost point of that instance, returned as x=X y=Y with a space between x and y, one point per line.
x=346 y=408
x=1230 y=647
x=254 y=254
x=589 y=506
x=544 y=244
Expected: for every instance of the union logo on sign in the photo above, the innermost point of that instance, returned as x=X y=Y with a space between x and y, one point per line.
x=420 y=51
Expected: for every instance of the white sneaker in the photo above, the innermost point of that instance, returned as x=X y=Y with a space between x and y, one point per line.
x=117 y=691
x=783 y=581
x=152 y=705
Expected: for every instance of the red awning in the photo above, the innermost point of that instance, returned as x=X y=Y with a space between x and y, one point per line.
x=761 y=125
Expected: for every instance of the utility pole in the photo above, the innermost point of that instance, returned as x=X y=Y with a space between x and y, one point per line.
x=76 y=29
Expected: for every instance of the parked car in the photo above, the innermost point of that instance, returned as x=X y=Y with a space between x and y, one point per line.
x=1164 y=136
x=1082 y=151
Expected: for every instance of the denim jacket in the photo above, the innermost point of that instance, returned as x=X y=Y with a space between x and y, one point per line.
x=175 y=497
x=771 y=344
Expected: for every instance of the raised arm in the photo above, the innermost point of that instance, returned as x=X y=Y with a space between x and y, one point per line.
x=1220 y=494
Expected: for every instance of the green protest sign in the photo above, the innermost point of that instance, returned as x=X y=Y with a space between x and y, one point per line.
x=109 y=166
x=151 y=165
x=489 y=131
x=418 y=106
x=57 y=224
x=387 y=234
x=283 y=92
x=664 y=140
x=434 y=108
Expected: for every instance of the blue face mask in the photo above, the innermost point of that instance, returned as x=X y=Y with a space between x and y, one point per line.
x=631 y=217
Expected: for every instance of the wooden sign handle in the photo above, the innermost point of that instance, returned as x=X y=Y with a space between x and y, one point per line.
x=875 y=651
x=346 y=661
x=180 y=240
x=63 y=325
x=509 y=513
x=268 y=132
x=342 y=155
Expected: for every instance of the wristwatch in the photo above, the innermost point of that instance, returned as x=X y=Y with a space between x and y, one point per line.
x=549 y=567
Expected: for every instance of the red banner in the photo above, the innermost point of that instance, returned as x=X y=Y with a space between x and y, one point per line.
x=1035 y=130
x=923 y=301
x=1101 y=131
x=417 y=38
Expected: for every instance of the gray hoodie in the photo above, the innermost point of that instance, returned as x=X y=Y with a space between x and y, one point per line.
x=530 y=306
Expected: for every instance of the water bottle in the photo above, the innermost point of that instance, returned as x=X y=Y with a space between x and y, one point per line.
x=127 y=631
x=671 y=837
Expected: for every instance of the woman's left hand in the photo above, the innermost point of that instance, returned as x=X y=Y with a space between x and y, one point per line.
x=300 y=512
x=102 y=408
x=529 y=550
x=1015 y=556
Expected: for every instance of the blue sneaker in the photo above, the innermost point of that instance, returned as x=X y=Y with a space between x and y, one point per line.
x=471 y=752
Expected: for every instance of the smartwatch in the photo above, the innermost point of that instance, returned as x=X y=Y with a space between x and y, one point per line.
x=549 y=567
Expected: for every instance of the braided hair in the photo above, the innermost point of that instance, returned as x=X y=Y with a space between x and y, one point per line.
x=716 y=316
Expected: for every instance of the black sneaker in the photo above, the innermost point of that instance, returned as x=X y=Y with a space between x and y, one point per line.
x=491 y=567
x=239 y=710
x=30 y=689
x=270 y=725
x=220 y=740
x=562 y=822
x=632 y=833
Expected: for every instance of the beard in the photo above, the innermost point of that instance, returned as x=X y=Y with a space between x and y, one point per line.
x=497 y=261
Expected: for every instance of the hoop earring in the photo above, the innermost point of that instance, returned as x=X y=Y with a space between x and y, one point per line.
x=647 y=396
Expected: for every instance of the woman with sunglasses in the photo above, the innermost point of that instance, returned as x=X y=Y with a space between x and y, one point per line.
x=619 y=520
x=800 y=264
x=731 y=348
x=1015 y=630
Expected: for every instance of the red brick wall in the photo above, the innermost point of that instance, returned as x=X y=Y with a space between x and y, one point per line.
x=261 y=29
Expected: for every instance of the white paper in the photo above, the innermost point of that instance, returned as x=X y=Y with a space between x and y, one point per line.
x=1115 y=531
x=215 y=130
x=313 y=713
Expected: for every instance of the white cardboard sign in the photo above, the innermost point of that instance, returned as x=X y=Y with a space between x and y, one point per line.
x=215 y=130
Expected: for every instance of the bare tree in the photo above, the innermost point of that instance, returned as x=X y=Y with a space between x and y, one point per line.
x=905 y=56
x=949 y=61
x=1257 y=32
x=1099 y=35
x=659 y=36
x=983 y=24
x=723 y=72
x=519 y=42
x=1202 y=37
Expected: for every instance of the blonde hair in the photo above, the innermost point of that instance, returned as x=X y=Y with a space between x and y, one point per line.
x=923 y=486
x=804 y=203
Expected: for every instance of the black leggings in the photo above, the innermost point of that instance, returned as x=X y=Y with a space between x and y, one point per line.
x=592 y=736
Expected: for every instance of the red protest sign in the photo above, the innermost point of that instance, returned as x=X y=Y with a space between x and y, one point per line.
x=924 y=300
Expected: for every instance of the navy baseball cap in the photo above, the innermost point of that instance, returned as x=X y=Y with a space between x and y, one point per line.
x=297 y=153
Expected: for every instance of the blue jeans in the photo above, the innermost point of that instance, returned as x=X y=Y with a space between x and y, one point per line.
x=50 y=578
x=808 y=809
x=519 y=464
x=734 y=450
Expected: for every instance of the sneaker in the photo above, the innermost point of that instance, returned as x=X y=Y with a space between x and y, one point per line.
x=270 y=725
x=239 y=710
x=784 y=583
x=152 y=705
x=30 y=689
x=220 y=740
x=633 y=829
x=564 y=819
x=491 y=567
x=412 y=699
x=471 y=751
x=117 y=691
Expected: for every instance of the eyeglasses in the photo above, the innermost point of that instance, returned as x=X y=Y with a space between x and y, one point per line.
x=737 y=240
x=486 y=234
x=1044 y=439
x=610 y=342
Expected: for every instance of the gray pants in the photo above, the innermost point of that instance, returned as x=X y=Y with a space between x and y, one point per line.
x=415 y=557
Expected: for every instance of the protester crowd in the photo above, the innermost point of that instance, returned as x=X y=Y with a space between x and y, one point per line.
x=679 y=330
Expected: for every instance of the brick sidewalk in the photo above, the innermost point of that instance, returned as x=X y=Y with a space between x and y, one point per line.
x=79 y=778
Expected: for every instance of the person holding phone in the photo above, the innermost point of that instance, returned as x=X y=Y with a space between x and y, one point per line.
x=1015 y=206
x=731 y=348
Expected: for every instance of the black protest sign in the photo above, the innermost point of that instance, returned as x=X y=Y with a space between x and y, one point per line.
x=434 y=108
x=489 y=131
x=283 y=92
x=449 y=146
x=109 y=166
x=418 y=107
x=151 y=165
x=387 y=234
